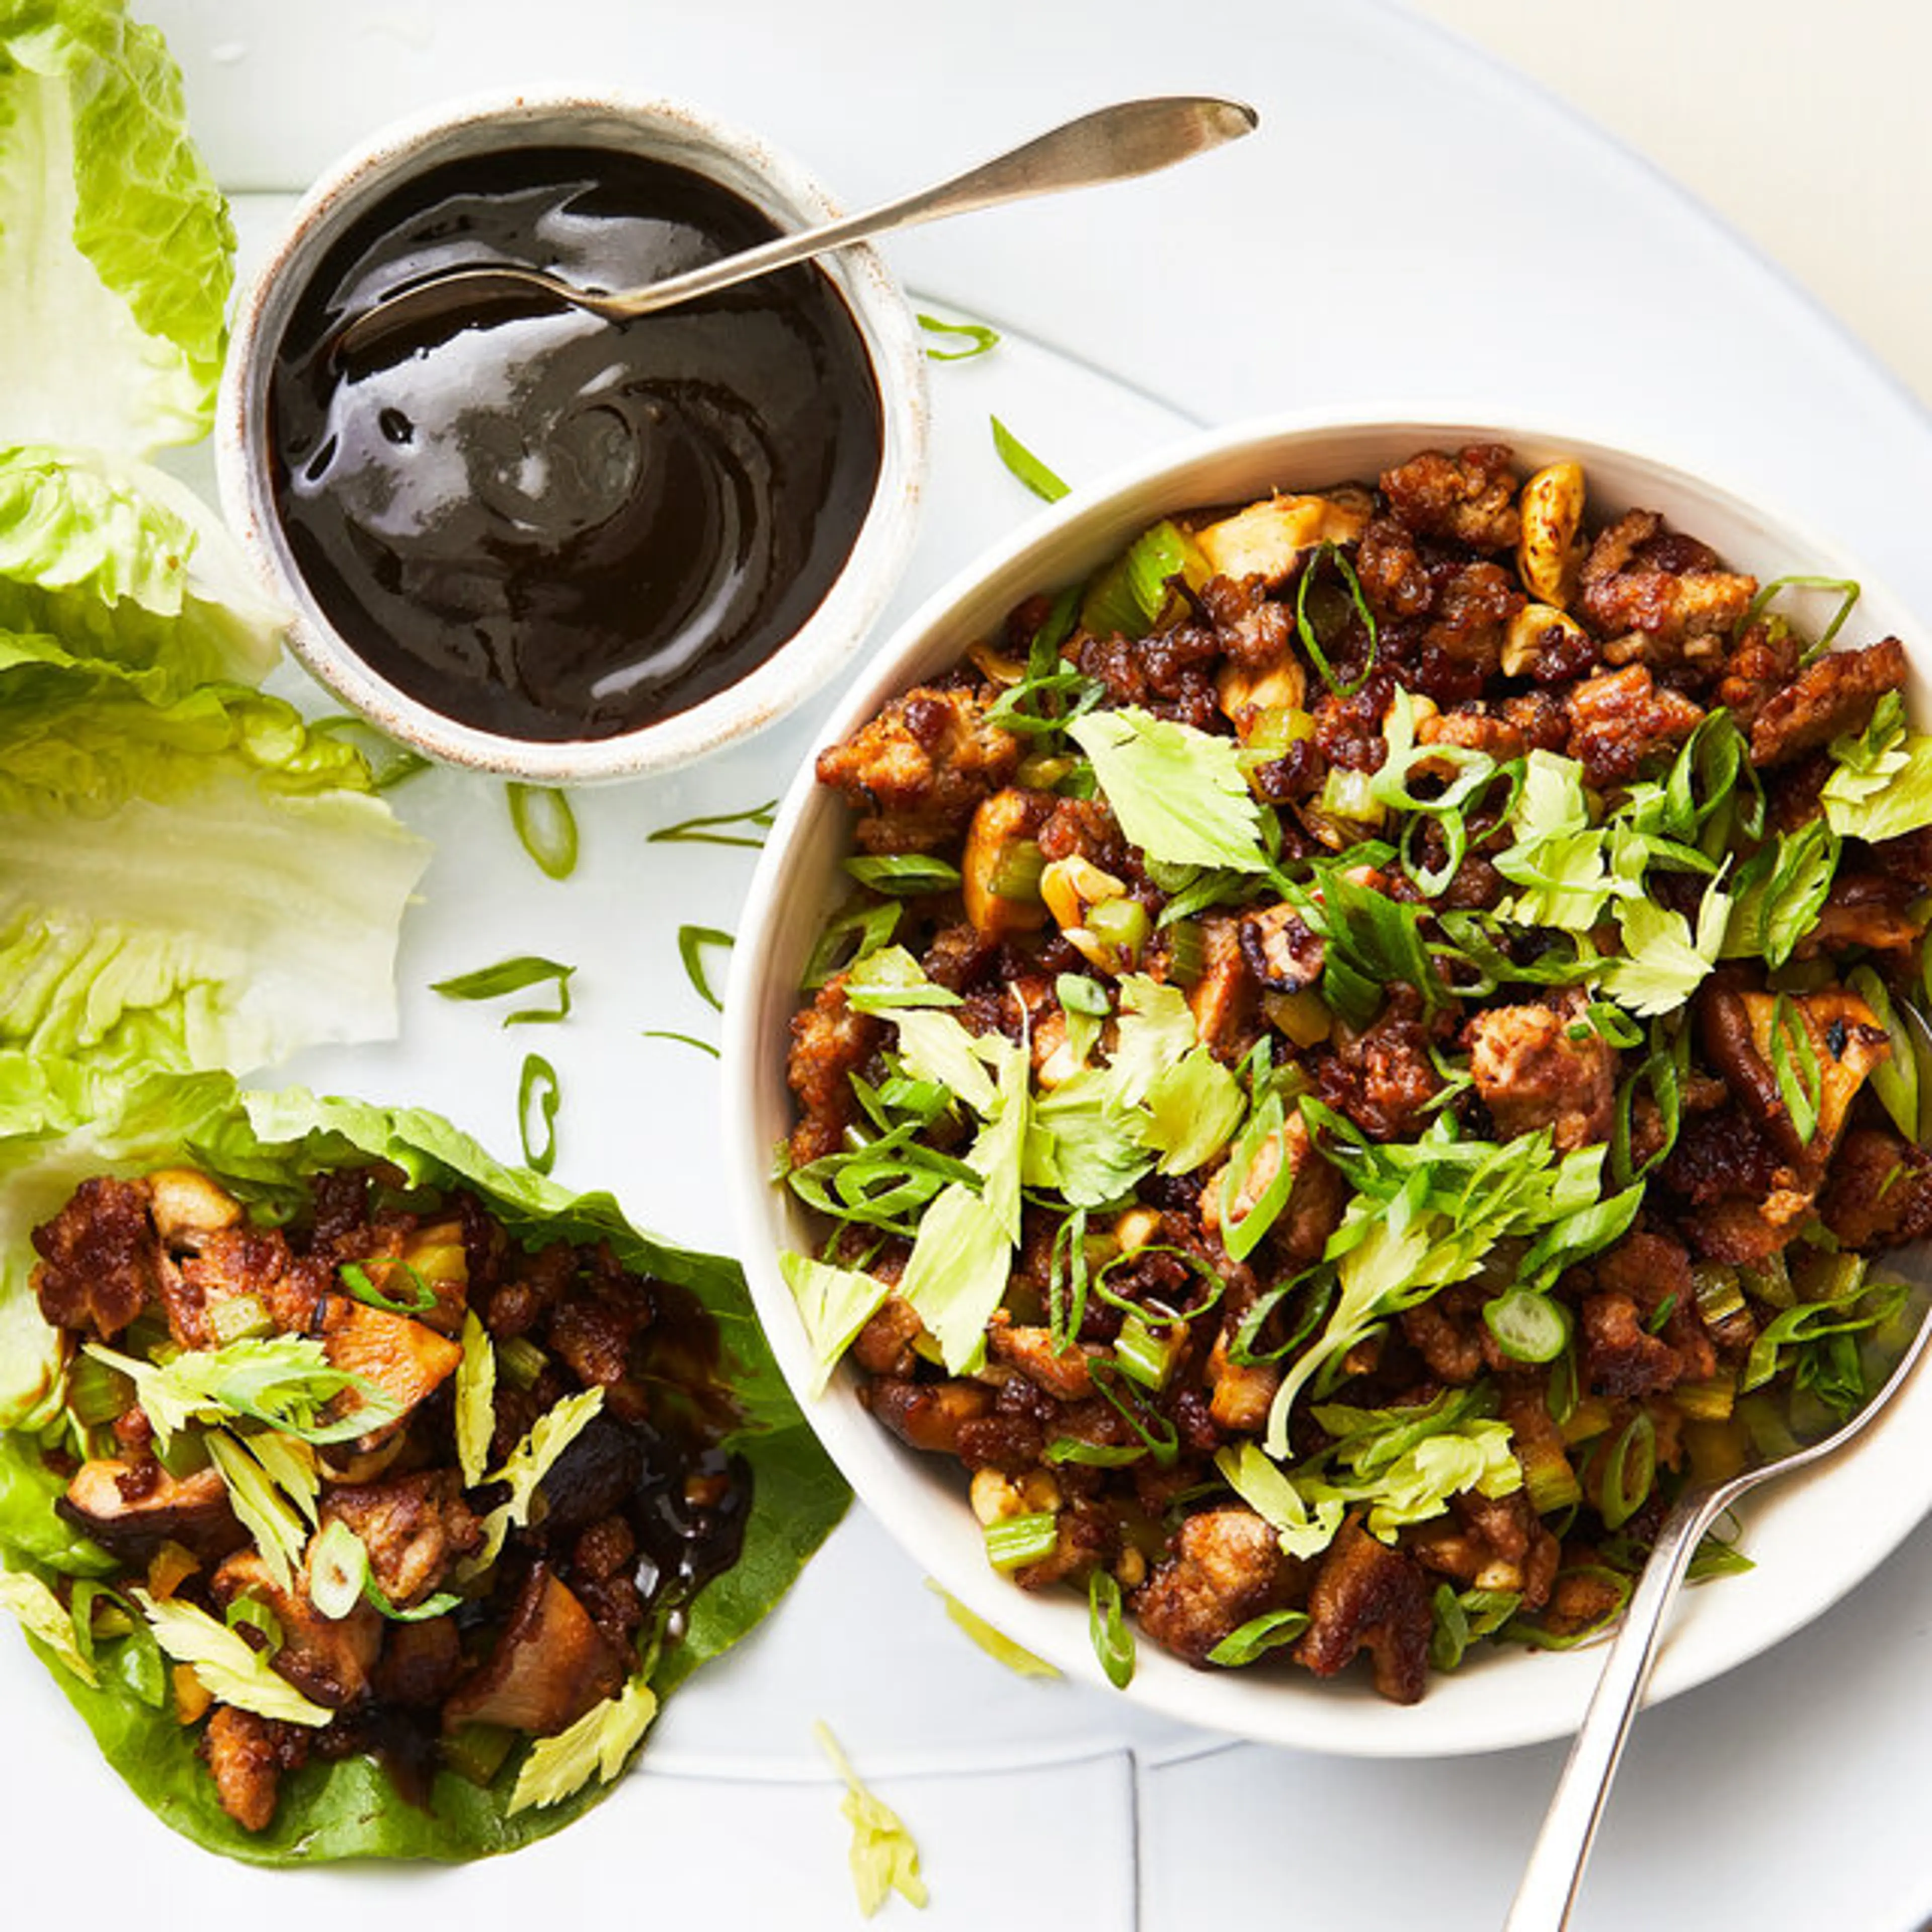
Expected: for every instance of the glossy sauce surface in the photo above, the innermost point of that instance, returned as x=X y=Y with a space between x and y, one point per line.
x=552 y=526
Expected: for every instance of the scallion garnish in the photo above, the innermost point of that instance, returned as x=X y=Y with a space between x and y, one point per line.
x=855 y=933
x=1306 y=626
x=977 y=336
x=538 y=1095
x=1113 y=1641
x=683 y=1039
x=1257 y=1636
x=355 y=1276
x=691 y=942
x=1527 y=1326
x=1629 y=1470
x=702 y=831
x=338 y=1566
x=546 y=826
x=1848 y=591
x=1094 y=1455
x=1794 y=1061
x=1152 y=1316
x=1027 y=466
x=904 y=874
x=513 y=975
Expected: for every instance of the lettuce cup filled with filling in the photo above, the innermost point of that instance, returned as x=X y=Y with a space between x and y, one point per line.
x=364 y=1496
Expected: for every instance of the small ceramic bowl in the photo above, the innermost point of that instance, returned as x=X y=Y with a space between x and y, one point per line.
x=655 y=130
x=1812 y=1537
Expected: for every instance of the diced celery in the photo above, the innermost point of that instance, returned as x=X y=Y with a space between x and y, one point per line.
x=1018 y=1539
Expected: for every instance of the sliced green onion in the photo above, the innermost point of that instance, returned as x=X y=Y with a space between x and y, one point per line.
x=538 y=1095
x=1094 y=1455
x=546 y=826
x=1629 y=1471
x=251 y=1613
x=1066 y=1281
x=978 y=337
x=1306 y=628
x=1319 y=1283
x=905 y=874
x=513 y=975
x=389 y=763
x=1848 y=591
x=338 y=1566
x=421 y=1297
x=683 y=1039
x=1527 y=1326
x=1027 y=466
x=1519 y=1630
x=1895 y=1079
x=701 y=832
x=1267 y=1124
x=1213 y=1287
x=1132 y=595
x=691 y=942
x=1659 y=1316
x=1113 y=1641
x=1077 y=994
x=1257 y=1636
x=1019 y=1540
x=1156 y=1431
x=855 y=933
x=1794 y=1060
x=1350 y=795
x=439 y=1605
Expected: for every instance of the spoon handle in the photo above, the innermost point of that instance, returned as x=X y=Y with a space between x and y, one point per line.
x=1133 y=137
x=1548 y=1890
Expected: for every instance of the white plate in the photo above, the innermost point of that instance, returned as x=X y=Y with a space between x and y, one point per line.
x=1410 y=214
x=1812 y=1538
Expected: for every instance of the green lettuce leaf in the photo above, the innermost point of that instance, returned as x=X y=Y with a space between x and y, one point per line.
x=116 y=248
x=105 y=560
x=271 y=1142
x=200 y=883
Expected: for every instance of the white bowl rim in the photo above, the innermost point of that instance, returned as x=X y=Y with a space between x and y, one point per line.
x=1344 y=1716
x=828 y=637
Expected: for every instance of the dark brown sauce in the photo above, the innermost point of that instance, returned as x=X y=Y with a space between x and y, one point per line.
x=551 y=527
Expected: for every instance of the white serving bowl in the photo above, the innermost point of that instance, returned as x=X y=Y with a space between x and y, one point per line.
x=1812 y=1537
x=656 y=130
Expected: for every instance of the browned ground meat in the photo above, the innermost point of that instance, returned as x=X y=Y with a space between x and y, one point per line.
x=1659 y=593
x=1227 y=1567
x=247 y=1755
x=1383 y=1078
x=1532 y=1073
x=413 y=1527
x=1879 y=1195
x=100 y=1260
x=829 y=1042
x=1835 y=695
x=1252 y=630
x=1620 y=720
x=1170 y=672
x=1763 y=662
x=1469 y=498
x=915 y=773
x=1368 y=1597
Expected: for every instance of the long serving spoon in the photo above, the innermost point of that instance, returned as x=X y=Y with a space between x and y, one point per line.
x=1133 y=137
x=1551 y=1879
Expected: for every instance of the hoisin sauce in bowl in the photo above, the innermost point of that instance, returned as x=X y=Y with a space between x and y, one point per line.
x=547 y=525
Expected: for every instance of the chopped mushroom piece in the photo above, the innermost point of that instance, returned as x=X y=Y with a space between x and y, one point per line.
x=133 y=1507
x=550 y=1665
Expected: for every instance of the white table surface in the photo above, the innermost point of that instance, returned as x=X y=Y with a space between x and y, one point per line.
x=1413 y=225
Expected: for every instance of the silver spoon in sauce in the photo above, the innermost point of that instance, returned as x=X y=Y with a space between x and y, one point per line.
x=1132 y=137
x=1554 y=1874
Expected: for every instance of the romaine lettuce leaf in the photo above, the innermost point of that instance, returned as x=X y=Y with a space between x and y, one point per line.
x=116 y=561
x=116 y=248
x=200 y=882
x=273 y=1141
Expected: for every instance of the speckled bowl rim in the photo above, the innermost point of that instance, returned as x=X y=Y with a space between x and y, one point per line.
x=751 y=166
x=1815 y=1535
